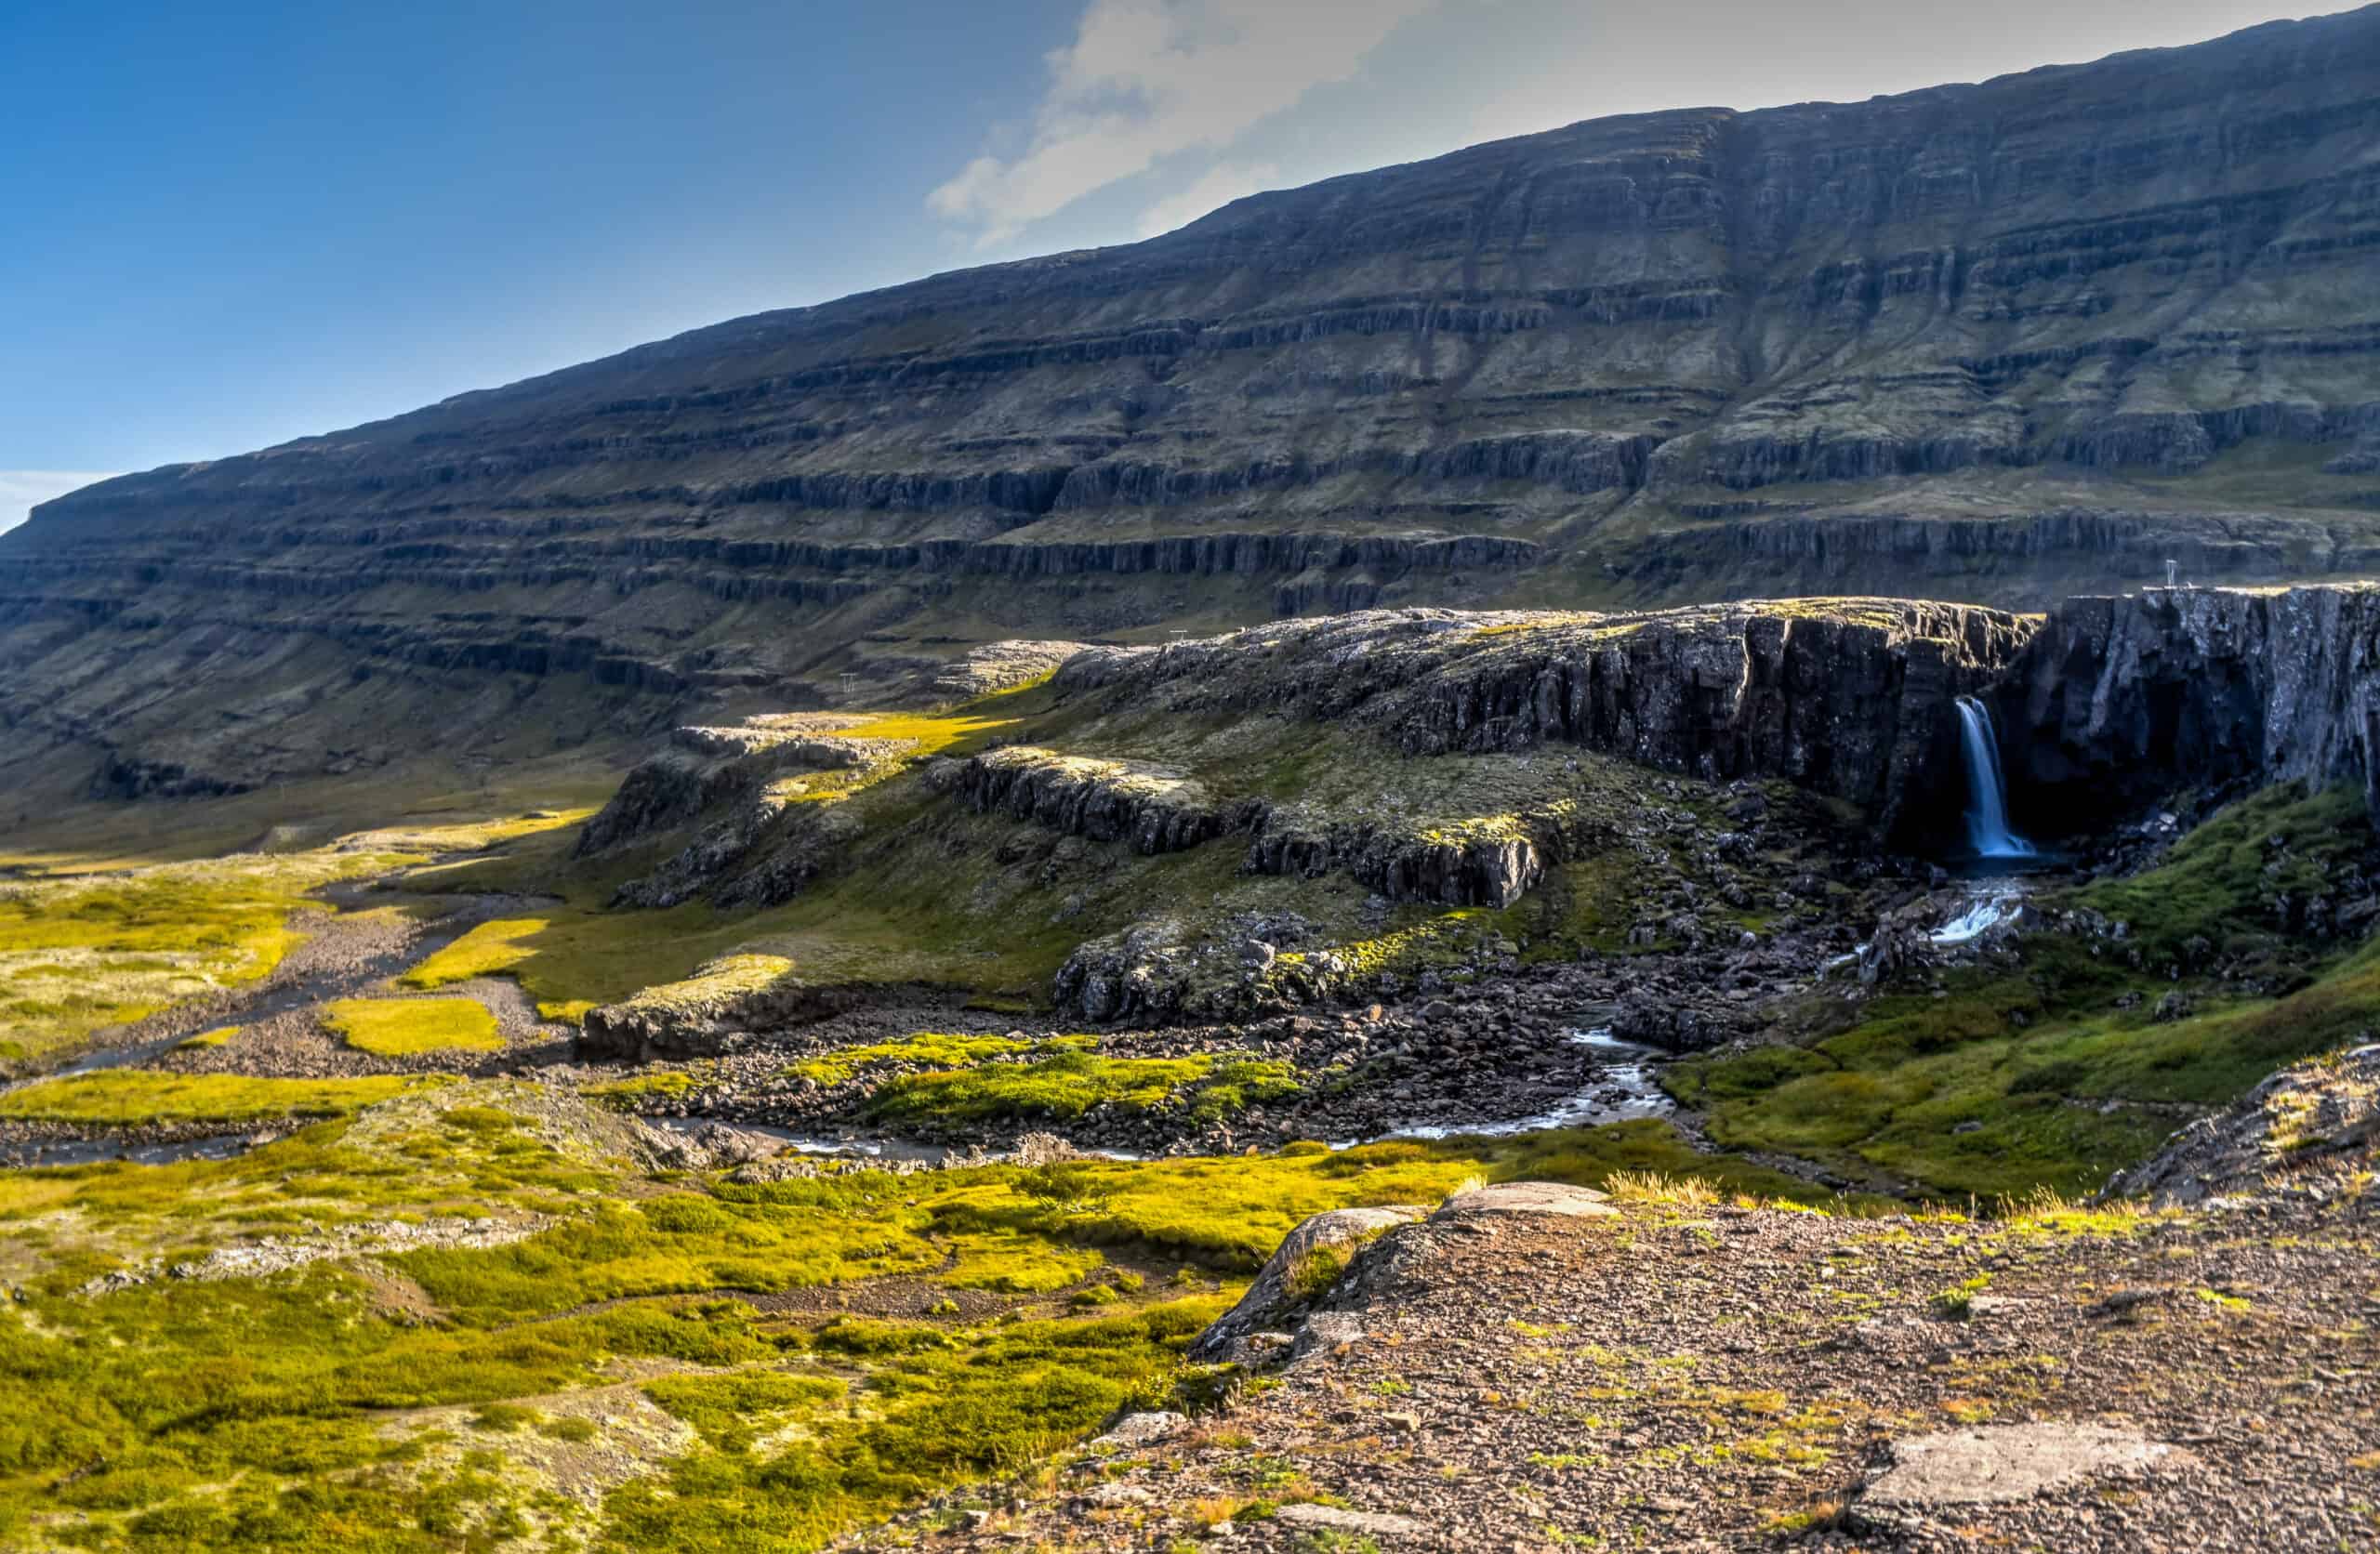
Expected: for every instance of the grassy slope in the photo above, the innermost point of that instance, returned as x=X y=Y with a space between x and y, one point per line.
x=2057 y=1070
x=931 y=893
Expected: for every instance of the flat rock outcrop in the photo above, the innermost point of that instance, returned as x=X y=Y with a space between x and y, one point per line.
x=700 y=1016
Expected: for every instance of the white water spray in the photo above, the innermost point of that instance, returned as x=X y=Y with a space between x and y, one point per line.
x=1988 y=830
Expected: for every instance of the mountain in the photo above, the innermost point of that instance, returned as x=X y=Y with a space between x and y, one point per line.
x=1988 y=342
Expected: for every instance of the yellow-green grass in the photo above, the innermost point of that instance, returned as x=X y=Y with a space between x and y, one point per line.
x=398 y=1027
x=126 y=1097
x=81 y=953
x=1069 y=1080
x=936 y=1047
x=137 y=1408
x=219 y=1036
x=489 y=948
x=640 y=1090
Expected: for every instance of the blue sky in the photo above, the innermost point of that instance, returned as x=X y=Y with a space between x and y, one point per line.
x=225 y=226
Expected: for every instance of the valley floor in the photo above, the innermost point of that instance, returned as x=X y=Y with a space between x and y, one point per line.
x=767 y=1161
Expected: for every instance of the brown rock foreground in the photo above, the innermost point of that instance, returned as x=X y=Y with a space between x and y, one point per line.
x=1691 y=1375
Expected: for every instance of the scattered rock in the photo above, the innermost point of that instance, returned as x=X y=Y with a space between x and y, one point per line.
x=1277 y=1295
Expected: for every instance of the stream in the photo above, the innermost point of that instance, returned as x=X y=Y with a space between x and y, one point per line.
x=1626 y=1084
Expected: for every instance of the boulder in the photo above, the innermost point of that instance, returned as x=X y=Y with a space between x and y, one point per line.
x=1283 y=1286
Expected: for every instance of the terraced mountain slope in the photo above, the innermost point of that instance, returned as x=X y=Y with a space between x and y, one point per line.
x=1988 y=342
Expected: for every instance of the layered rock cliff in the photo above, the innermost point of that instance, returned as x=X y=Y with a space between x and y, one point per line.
x=1851 y=698
x=2119 y=700
x=1983 y=341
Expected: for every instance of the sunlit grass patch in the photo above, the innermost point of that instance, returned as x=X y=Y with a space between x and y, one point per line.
x=488 y=949
x=81 y=953
x=123 y=1097
x=640 y=1089
x=927 y=1047
x=399 y=1027
x=1072 y=1080
x=219 y=1036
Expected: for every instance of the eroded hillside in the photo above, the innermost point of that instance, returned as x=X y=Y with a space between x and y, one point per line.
x=1997 y=341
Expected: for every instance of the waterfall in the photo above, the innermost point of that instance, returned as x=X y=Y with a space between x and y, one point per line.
x=1988 y=830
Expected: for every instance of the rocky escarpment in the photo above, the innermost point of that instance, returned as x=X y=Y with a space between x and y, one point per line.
x=2119 y=700
x=2020 y=557
x=1151 y=809
x=749 y=781
x=1491 y=864
x=2002 y=340
x=1851 y=698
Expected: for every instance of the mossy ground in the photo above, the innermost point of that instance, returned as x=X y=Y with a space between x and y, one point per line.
x=126 y=1097
x=94 y=932
x=942 y=1078
x=80 y=952
x=2054 y=1068
x=251 y=1413
x=402 y=1027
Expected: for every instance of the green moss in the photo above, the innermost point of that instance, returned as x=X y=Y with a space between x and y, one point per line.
x=2057 y=1072
x=635 y=1093
x=137 y=1407
x=124 y=1097
x=731 y=1411
x=397 y=1027
x=941 y=1415
x=488 y=949
x=1071 y=1080
x=219 y=1036
x=81 y=953
x=926 y=1047
x=2220 y=884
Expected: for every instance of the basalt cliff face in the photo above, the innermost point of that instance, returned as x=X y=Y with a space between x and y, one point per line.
x=1989 y=341
x=2117 y=701
x=1851 y=698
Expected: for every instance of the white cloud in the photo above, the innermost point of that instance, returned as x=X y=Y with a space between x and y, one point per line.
x=1218 y=187
x=21 y=490
x=1148 y=79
